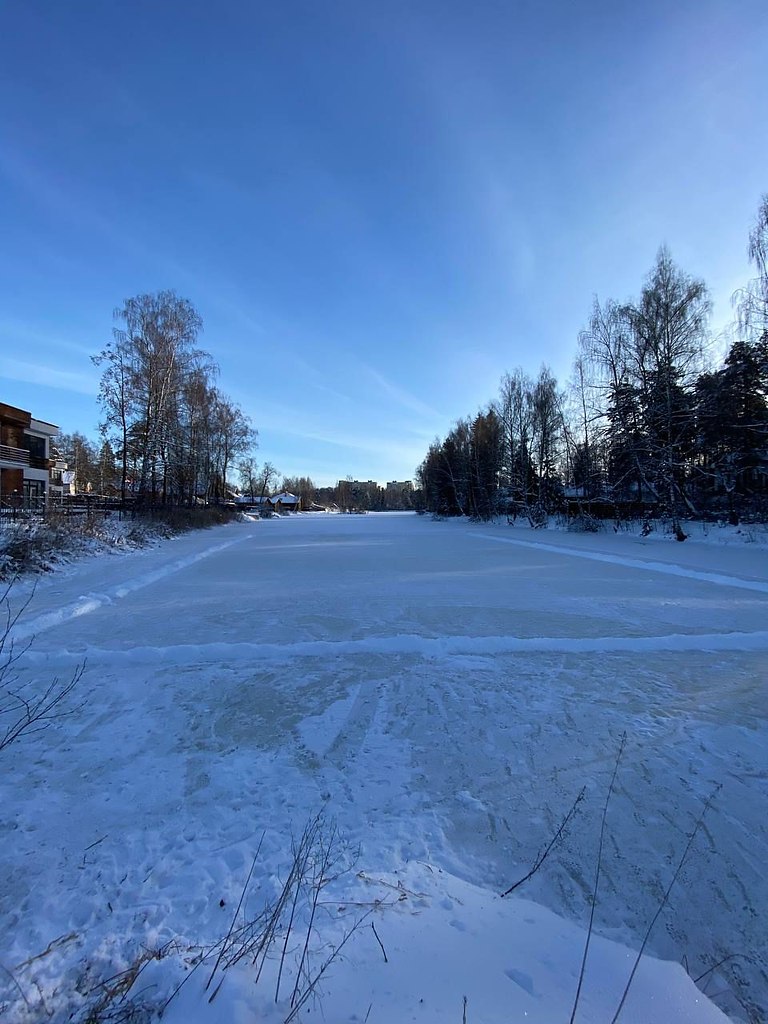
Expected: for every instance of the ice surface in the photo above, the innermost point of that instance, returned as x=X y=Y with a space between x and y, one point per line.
x=444 y=691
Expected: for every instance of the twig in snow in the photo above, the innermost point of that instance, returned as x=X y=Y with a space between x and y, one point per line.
x=665 y=898
x=724 y=960
x=313 y=981
x=232 y=925
x=319 y=881
x=301 y=855
x=91 y=847
x=114 y=990
x=32 y=712
x=23 y=709
x=381 y=944
x=53 y=944
x=553 y=841
x=11 y=618
x=96 y=843
x=18 y=986
x=597 y=877
x=399 y=888
x=318 y=858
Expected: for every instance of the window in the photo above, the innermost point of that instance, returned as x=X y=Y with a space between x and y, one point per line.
x=35 y=446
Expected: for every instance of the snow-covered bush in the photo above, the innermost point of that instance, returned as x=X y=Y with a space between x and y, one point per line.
x=537 y=516
x=37 y=545
x=584 y=523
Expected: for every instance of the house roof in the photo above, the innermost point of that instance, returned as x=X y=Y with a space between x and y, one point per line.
x=42 y=427
x=285 y=498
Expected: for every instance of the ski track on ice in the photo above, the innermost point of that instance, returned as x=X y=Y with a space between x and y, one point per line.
x=92 y=602
x=718 y=579
x=427 y=647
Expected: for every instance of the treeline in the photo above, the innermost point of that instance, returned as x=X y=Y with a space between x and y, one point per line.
x=259 y=481
x=359 y=495
x=172 y=435
x=647 y=419
x=91 y=467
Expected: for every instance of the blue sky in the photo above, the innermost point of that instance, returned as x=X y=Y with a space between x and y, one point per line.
x=377 y=208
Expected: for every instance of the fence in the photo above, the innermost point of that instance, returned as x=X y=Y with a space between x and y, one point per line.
x=15 y=507
x=18 y=508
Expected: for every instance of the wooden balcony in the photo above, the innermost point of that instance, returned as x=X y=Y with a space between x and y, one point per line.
x=13 y=456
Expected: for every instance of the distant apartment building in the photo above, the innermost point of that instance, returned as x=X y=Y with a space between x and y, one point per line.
x=392 y=485
x=25 y=456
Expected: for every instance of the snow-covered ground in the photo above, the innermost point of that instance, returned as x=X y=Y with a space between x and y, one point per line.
x=442 y=692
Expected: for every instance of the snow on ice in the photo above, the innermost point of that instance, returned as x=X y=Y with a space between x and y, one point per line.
x=440 y=691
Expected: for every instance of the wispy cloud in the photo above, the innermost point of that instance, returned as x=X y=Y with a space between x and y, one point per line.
x=399 y=395
x=49 y=192
x=47 y=376
x=334 y=458
x=332 y=392
x=16 y=331
x=63 y=200
x=338 y=440
x=316 y=377
x=379 y=446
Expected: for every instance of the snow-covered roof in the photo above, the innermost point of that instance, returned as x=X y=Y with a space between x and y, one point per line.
x=246 y=499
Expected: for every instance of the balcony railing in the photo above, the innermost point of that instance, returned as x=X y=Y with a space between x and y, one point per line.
x=13 y=456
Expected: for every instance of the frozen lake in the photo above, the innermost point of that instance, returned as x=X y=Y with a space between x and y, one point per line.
x=444 y=689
